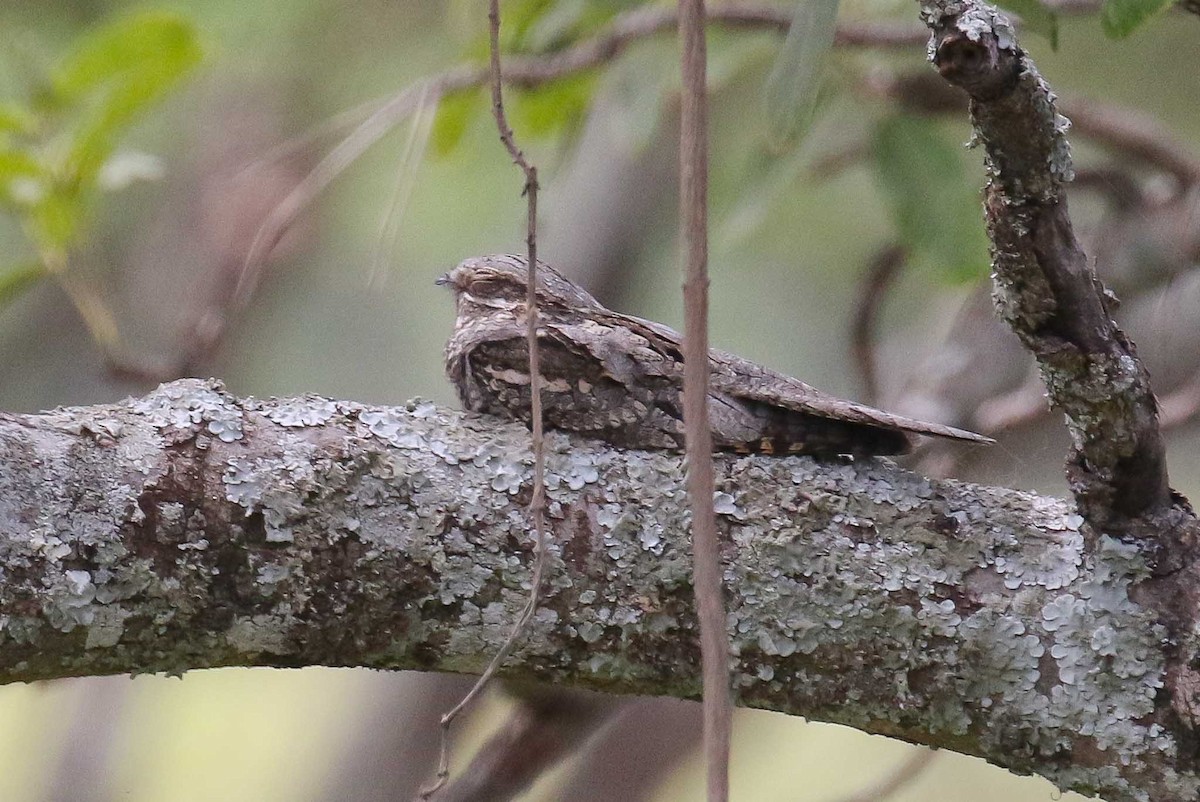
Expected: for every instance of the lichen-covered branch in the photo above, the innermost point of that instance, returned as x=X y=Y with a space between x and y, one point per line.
x=191 y=529
x=1044 y=287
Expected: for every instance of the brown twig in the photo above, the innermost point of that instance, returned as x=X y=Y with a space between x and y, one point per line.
x=635 y=742
x=641 y=23
x=706 y=569
x=1013 y=409
x=1045 y=289
x=833 y=164
x=379 y=761
x=1116 y=185
x=537 y=501
x=905 y=773
x=1133 y=134
x=547 y=725
x=1182 y=404
x=881 y=274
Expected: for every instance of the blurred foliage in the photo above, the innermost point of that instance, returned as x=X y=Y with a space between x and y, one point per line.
x=1119 y=18
x=16 y=280
x=555 y=108
x=1035 y=17
x=544 y=26
x=934 y=206
x=58 y=145
x=790 y=92
x=455 y=113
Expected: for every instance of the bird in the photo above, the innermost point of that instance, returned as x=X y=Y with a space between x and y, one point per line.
x=619 y=378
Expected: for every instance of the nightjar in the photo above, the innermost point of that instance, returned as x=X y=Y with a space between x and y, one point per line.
x=619 y=378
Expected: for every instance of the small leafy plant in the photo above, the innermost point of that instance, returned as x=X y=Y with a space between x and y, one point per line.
x=59 y=146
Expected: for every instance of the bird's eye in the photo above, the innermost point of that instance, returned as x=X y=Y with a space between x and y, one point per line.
x=483 y=286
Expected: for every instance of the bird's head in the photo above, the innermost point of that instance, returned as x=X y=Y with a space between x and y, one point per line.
x=499 y=282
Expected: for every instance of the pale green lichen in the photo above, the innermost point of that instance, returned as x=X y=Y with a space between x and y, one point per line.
x=301 y=412
x=182 y=405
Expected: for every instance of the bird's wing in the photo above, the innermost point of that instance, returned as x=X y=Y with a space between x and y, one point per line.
x=740 y=378
x=756 y=383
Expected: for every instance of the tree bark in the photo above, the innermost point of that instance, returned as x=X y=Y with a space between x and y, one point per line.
x=191 y=529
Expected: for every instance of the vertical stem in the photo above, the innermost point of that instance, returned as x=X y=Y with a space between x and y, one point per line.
x=693 y=218
x=537 y=501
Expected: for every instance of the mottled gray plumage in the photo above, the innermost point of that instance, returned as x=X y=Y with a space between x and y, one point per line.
x=619 y=378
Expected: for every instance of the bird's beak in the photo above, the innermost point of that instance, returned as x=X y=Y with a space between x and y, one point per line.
x=442 y=280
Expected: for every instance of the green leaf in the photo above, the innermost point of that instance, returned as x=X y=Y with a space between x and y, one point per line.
x=15 y=163
x=115 y=73
x=791 y=89
x=935 y=208
x=17 y=119
x=159 y=45
x=22 y=179
x=517 y=19
x=552 y=29
x=16 y=280
x=552 y=107
x=454 y=114
x=55 y=220
x=1119 y=18
x=567 y=21
x=1035 y=17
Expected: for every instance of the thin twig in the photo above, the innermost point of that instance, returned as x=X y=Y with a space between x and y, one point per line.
x=881 y=273
x=546 y=726
x=905 y=773
x=638 y=24
x=1133 y=134
x=706 y=568
x=1181 y=405
x=537 y=502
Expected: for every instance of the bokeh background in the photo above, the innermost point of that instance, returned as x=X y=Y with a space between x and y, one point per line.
x=345 y=306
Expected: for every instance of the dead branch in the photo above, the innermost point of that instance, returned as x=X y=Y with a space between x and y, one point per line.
x=872 y=291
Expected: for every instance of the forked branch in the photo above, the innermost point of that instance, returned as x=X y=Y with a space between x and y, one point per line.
x=1045 y=288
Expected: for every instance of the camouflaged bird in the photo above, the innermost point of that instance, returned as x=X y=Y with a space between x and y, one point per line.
x=619 y=378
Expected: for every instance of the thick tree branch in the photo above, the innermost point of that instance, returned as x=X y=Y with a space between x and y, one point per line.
x=190 y=529
x=1044 y=288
